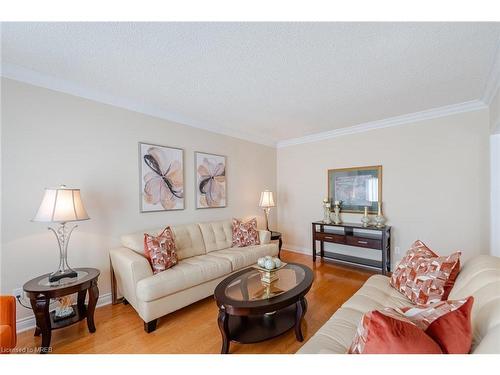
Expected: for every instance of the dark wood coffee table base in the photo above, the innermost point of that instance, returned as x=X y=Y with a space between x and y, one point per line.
x=250 y=329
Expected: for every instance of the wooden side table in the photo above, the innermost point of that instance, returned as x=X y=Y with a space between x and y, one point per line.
x=40 y=291
x=277 y=236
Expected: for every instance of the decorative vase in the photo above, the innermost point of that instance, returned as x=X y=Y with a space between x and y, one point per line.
x=380 y=219
x=336 y=213
x=365 y=220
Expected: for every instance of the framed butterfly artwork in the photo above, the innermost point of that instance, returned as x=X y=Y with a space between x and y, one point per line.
x=161 y=171
x=210 y=180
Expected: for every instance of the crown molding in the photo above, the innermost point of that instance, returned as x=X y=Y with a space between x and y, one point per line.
x=407 y=119
x=493 y=82
x=34 y=78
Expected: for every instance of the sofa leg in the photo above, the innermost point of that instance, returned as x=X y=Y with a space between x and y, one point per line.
x=150 y=326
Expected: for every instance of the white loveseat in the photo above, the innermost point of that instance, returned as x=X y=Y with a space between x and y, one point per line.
x=205 y=258
x=479 y=277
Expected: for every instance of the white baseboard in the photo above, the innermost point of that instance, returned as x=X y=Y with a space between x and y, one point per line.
x=306 y=251
x=297 y=249
x=28 y=322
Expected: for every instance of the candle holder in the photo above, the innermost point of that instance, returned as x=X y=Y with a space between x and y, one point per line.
x=336 y=213
x=365 y=220
x=380 y=219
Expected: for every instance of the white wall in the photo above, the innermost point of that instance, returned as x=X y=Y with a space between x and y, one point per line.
x=49 y=138
x=495 y=114
x=495 y=174
x=495 y=194
x=435 y=182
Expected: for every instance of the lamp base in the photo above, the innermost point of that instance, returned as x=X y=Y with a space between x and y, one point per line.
x=58 y=275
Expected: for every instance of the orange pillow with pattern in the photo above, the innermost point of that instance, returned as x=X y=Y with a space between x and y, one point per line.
x=446 y=322
x=160 y=250
x=379 y=333
x=445 y=327
x=423 y=276
x=245 y=233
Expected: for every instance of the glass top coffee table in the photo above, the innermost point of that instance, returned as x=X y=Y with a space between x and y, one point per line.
x=252 y=311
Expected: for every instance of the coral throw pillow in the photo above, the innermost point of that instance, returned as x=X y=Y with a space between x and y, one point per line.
x=245 y=234
x=442 y=328
x=379 y=333
x=160 y=250
x=423 y=276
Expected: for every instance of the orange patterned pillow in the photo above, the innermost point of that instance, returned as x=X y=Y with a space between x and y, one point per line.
x=391 y=331
x=245 y=234
x=424 y=277
x=447 y=322
x=379 y=332
x=160 y=250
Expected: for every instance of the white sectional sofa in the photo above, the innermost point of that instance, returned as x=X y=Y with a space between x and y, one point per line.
x=205 y=258
x=479 y=277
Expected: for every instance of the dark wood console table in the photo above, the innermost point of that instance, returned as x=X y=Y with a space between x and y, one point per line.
x=351 y=235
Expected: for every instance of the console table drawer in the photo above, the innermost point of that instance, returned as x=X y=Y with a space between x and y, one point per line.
x=364 y=242
x=330 y=237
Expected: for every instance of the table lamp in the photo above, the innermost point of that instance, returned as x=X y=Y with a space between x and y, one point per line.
x=62 y=205
x=266 y=202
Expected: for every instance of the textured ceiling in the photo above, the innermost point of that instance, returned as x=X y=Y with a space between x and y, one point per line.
x=267 y=81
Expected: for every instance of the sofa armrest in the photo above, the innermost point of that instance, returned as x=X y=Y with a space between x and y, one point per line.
x=264 y=237
x=129 y=268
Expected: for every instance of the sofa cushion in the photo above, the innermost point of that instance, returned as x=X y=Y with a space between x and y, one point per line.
x=337 y=334
x=186 y=274
x=188 y=240
x=135 y=241
x=217 y=235
x=480 y=278
x=241 y=257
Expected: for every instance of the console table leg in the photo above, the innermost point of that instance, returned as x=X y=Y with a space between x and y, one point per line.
x=314 y=242
x=384 y=253
x=42 y=315
x=93 y=296
x=301 y=311
x=223 y=321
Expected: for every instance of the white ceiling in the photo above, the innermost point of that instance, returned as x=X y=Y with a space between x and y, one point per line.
x=266 y=82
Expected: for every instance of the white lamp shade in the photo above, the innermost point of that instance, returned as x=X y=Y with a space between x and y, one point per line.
x=266 y=199
x=61 y=205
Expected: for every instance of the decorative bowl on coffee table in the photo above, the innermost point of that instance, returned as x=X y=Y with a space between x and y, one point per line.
x=268 y=276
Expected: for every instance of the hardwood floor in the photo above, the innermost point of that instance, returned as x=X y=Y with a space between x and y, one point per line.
x=194 y=329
